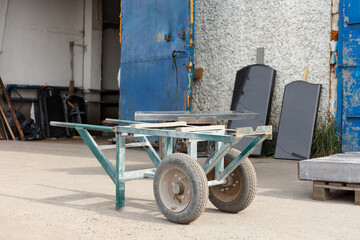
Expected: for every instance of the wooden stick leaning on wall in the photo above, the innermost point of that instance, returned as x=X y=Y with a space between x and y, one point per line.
x=305 y=74
x=22 y=137
x=2 y=134
x=3 y=128
x=7 y=123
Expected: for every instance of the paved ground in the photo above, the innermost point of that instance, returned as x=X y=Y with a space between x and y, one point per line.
x=57 y=190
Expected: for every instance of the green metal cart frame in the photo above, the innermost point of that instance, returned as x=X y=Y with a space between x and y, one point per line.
x=179 y=186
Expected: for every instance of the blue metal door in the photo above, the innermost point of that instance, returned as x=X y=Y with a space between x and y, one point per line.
x=349 y=66
x=157 y=52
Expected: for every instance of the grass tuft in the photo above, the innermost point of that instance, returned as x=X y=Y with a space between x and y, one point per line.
x=326 y=140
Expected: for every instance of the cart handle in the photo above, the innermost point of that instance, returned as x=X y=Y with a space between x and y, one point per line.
x=83 y=126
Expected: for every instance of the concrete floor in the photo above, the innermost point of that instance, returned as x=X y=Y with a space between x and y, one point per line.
x=57 y=190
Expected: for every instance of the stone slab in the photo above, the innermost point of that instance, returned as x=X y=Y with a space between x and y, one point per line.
x=335 y=168
x=297 y=120
x=253 y=92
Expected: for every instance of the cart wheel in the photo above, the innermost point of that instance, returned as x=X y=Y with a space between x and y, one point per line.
x=180 y=188
x=240 y=189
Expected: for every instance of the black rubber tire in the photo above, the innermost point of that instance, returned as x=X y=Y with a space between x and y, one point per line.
x=199 y=187
x=247 y=191
x=162 y=142
x=162 y=148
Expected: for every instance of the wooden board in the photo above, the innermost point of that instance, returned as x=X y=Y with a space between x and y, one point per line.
x=201 y=128
x=159 y=125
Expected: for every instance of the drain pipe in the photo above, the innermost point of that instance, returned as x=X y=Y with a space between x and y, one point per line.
x=72 y=44
x=71 y=85
x=84 y=49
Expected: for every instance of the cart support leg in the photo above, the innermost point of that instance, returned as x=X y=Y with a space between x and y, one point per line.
x=219 y=154
x=154 y=157
x=100 y=156
x=219 y=167
x=243 y=155
x=120 y=171
x=192 y=148
x=169 y=142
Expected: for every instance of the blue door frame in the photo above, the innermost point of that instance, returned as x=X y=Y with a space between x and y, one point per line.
x=151 y=30
x=348 y=72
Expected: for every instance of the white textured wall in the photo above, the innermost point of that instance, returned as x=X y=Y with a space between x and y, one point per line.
x=36 y=42
x=294 y=34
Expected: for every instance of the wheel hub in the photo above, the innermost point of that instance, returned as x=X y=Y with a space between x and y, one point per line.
x=178 y=188
x=175 y=189
x=229 y=181
x=229 y=191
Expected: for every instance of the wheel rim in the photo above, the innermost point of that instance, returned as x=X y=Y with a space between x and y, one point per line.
x=175 y=189
x=229 y=191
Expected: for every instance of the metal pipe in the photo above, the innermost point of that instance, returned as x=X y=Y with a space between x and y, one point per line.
x=83 y=43
x=243 y=155
x=168 y=133
x=84 y=126
x=100 y=156
x=216 y=182
x=119 y=121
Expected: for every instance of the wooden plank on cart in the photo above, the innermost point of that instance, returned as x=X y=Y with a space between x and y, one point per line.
x=260 y=130
x=159 y=125
x=200 y=128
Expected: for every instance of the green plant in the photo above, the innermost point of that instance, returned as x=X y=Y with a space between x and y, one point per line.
x=326 y=140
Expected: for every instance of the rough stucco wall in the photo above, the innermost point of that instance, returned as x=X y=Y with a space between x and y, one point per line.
x=294 y=34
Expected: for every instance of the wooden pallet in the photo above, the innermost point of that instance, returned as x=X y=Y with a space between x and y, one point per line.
x=321 y=190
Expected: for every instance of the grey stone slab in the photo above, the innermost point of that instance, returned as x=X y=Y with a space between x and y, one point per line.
x=253 y=92
x=335 y=168
x=297 y=120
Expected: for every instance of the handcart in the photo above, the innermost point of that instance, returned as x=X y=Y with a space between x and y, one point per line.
x=181 y=185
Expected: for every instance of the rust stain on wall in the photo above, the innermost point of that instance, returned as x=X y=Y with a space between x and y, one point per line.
x=120 y=27
x=334 y=37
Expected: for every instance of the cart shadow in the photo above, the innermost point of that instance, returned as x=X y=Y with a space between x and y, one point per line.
x=99 y=170
x=135 y=208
